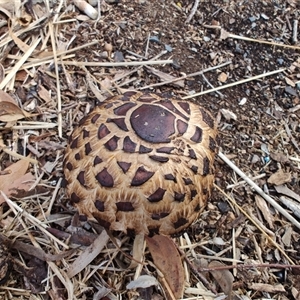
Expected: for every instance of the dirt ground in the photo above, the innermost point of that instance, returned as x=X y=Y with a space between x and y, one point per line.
x=225 y=42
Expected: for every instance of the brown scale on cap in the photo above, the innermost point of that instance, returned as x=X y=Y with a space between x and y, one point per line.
x=142 y=163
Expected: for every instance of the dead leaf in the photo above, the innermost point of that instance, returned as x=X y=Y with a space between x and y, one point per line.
x=282 y=189
x=106 y=84
x=4 y=97
x=21 y=45
x=44 y=94
x=21 y=75
x=290 y=82
x=10 y=112
x=223 y=277
x=274 y=288
x=280 y=177
x=144 y=281
x=15 y=179
x=280 y=157
x=287 y=237
x=167 y=259
x=262 y=205
x=88 y=255
x=228 y=114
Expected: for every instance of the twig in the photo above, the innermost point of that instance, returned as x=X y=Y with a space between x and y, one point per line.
x=295 y=31
x=136 y=55
x=32 y=125
x=187 y=76
x=206 y=80
x=147 y=46
x=243 y=181
x=224 y=35
x=244 y=267
x=235 y=83
x=17 y=155
x=193 y=11
x=54 y=49
x=117 y=64
x=200 y=276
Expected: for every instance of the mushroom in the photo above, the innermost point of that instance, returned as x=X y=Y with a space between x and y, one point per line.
x=142 y=163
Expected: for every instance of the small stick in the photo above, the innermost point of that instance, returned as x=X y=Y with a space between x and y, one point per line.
x=186 y=76
x=243 y=181
x=224 y=35
x=295 y=31
x=118 y=64
x=206 y=80
x=193 y=11
x=147 y=46
x=136 y=55
x=235 y=83
x=17 y=155
x=245 y=267
x=58 y=89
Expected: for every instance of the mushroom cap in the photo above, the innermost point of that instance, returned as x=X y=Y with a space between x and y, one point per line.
x=142 y=163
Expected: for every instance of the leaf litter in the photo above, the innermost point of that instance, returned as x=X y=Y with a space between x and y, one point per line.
x=53 y=71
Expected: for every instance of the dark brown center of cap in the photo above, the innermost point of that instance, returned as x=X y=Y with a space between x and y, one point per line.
x=153 y=123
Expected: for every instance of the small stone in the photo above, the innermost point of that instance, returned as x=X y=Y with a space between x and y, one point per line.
x=168 y=48
x=264 y=16
x=154 y=38
x=243 y=101
x=290 y=91
x=255 y=159
x=252 y=19
x=280 y=61
x=222 y=77
x=118 y=56
x=212 y=55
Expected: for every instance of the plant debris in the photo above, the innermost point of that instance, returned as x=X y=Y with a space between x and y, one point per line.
x=239 y=59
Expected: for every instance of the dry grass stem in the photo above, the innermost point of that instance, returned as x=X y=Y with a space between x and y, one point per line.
x=17 y=155
x=118 y=64
x=193 y=11
x=186 y=76
x=58 y=88
x=238 y=37
x=235 y=83
x=231 y=186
